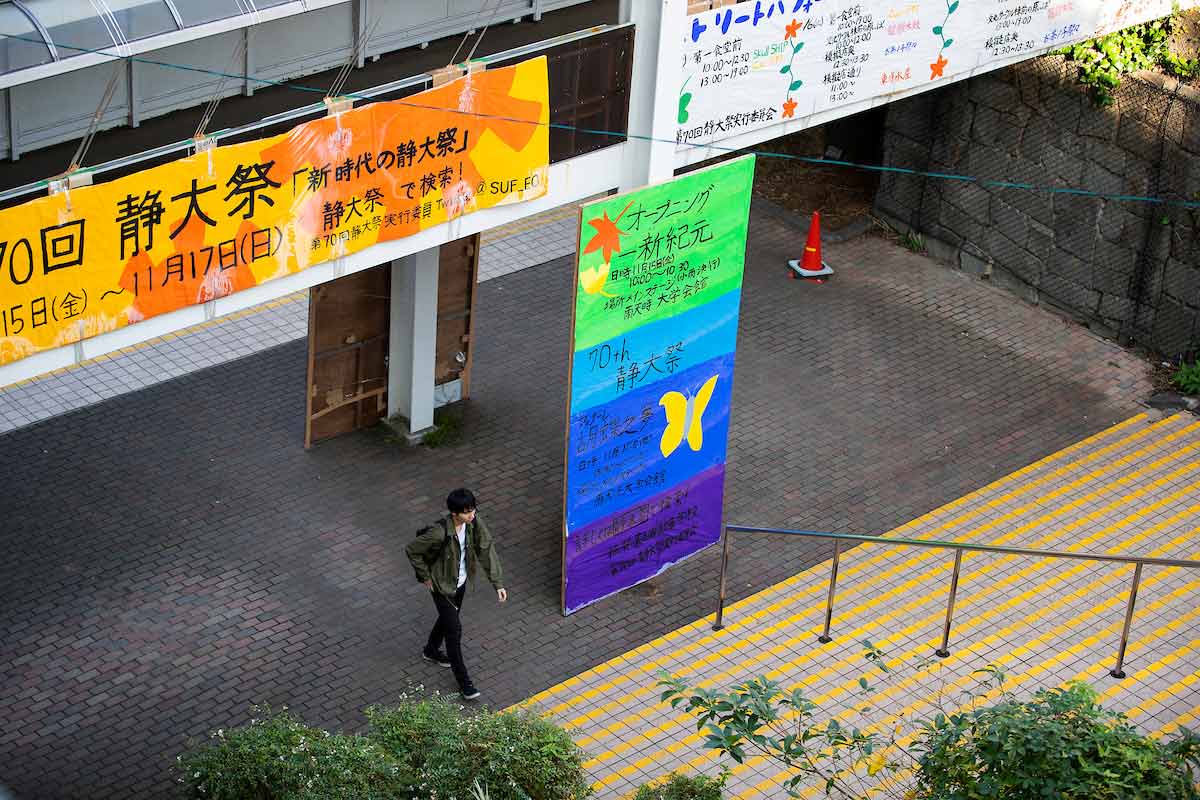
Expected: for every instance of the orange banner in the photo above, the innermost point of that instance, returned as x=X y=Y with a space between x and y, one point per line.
x=97 y=258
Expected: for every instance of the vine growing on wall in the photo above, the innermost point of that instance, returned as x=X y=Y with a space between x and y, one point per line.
x=1101 y=62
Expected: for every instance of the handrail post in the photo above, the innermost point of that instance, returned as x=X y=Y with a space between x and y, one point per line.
x=1116 y=671
x=825 y=638
x=719 y=623
x=944 y=650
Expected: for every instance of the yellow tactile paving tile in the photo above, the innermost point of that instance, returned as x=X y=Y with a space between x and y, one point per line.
x=911 y=584
x=1132 y=488
x=907 y=529
x=919 y=645
x=1188 y=720
x=1014 y=680
x=1111 y=605
x=870 y=630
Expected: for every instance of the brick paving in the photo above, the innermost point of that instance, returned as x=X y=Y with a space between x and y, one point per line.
x=136 y=367
x=549 y=235
x=174 y=555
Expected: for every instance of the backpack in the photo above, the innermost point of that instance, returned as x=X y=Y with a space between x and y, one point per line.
x=445 y=541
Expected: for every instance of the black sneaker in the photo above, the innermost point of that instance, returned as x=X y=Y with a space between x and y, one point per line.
x=438 y=658
x=470 y=693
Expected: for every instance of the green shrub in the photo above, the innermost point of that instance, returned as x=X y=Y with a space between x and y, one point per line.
x=408 y=751
x=514 y=756
x=1187 y=378
x=684 y=787
x=1059 y=744
x=279 y=758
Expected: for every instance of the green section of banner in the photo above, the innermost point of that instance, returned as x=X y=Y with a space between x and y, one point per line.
x=661 y=250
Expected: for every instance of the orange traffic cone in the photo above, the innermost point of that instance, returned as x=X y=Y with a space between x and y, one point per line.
x=811 y=265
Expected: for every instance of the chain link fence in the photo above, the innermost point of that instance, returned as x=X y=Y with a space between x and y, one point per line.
x=1127 y=267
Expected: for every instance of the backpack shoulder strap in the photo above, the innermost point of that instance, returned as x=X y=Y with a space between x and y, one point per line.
x=445 y=539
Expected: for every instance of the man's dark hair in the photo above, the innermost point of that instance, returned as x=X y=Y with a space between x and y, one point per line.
x=460 y=501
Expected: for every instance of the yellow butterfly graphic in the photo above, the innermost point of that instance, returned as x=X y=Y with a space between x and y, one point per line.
x=684 y=414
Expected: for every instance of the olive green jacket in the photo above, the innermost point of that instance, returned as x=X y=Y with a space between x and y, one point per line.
x=443 y=571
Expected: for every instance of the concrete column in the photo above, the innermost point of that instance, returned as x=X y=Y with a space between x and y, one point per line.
x=413 y=339
x=654 y=95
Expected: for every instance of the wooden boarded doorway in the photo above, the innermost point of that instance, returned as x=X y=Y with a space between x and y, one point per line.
x=347 y=353
x=458 y=268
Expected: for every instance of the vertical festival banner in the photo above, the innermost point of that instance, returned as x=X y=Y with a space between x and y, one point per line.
x=657 y=292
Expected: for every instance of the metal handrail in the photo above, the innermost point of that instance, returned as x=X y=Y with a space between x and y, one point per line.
x=958 y=547
x=423 y=79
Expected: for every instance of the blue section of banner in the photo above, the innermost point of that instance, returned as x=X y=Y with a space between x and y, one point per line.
x=654 y=352
x=616 y=457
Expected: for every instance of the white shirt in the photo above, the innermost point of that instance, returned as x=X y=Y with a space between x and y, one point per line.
x=461 y=532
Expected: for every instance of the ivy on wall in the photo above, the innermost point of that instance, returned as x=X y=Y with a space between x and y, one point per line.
x=1101 y=62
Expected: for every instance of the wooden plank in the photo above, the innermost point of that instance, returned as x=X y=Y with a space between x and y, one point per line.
x=308 y=400
x=352 y=308
x=466 y=340
x=358 y=398
x=449 y=345
x=457 y=266
x=348 y=341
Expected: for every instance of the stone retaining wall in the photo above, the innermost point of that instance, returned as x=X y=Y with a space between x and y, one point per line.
x=1129 y=269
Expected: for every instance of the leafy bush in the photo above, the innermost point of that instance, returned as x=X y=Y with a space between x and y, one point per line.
x=1187 y=378
x=279 y=758
x=759 y=717
x=683 y=787
x=514 y=756
x=408 y=750
x=1059 y=744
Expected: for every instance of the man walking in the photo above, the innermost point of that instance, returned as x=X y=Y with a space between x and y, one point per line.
x=444 y=557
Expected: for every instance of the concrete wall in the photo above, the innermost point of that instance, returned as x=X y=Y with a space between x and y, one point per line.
x=1128 y=269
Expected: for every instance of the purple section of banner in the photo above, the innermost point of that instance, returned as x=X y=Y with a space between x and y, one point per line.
x=626 y=548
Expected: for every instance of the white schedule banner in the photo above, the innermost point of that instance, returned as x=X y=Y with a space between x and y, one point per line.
x=761 y=63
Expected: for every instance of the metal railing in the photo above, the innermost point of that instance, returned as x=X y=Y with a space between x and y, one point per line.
x=958 y=547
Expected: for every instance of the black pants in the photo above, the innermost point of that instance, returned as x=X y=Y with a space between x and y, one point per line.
x=448 y=628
